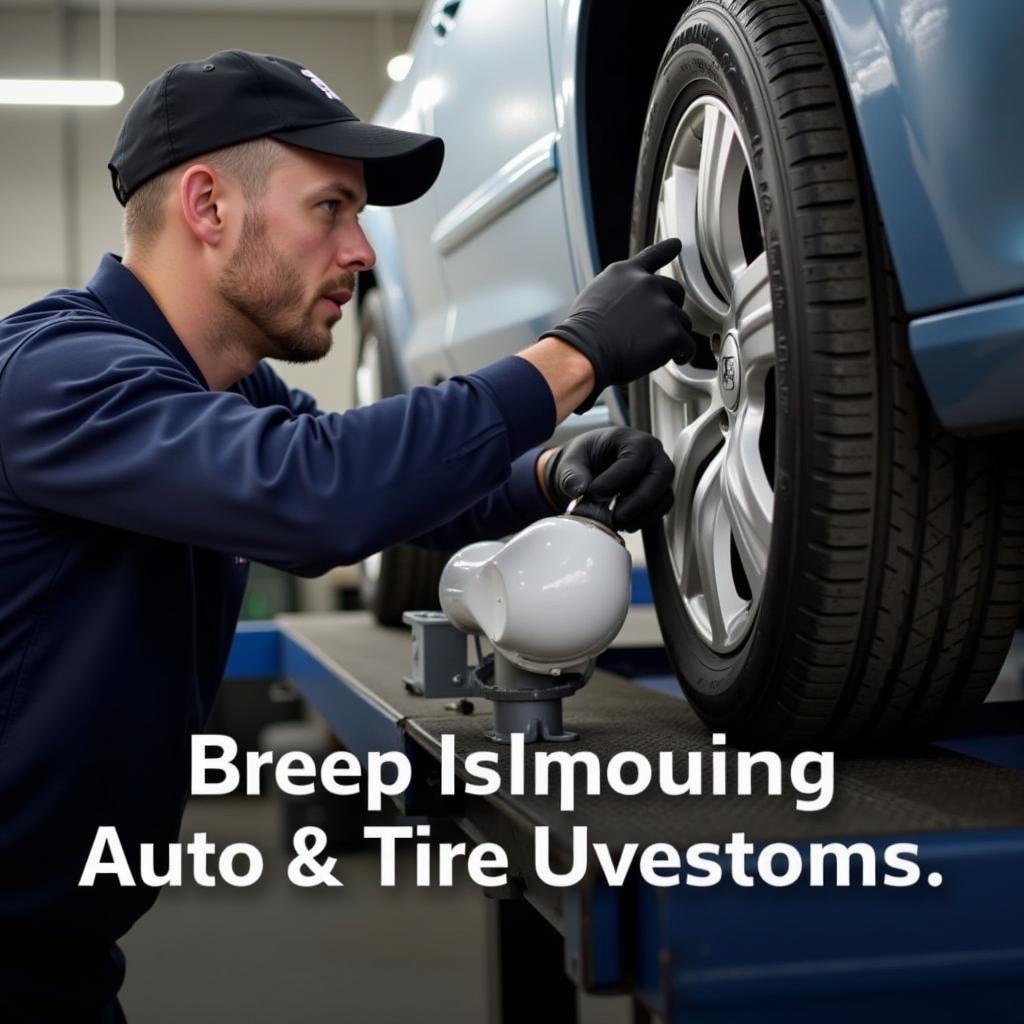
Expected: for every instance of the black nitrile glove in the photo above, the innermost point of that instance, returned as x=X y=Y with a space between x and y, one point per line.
x=614 y=462
x=629 y=320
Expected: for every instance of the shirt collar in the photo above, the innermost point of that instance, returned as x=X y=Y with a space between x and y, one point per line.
x=125 y=298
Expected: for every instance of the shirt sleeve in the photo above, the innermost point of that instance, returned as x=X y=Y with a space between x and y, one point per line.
x=106 y=427
x=508 y=509
x=514 y=505
x=302 y=402
x=264 y=387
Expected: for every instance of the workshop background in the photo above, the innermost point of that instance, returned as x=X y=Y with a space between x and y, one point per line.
x=273 y=952
x=58 y=210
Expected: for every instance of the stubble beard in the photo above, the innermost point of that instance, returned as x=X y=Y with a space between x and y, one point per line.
x=267 y=293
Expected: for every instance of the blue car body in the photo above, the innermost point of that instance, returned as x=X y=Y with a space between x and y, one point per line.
x=499 y=247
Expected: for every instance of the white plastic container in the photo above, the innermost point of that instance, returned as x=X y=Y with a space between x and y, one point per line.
x=550 y=599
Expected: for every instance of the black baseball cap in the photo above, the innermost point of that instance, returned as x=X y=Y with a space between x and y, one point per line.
x=234 y=96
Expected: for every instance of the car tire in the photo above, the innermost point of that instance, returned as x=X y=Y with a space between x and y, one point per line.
x=403 y=577
x=878 y=603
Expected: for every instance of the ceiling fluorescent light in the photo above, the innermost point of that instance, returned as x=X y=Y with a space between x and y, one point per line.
x=61 y=92
x=398 y=67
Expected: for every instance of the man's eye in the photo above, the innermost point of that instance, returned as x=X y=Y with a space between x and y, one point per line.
x=332 y=202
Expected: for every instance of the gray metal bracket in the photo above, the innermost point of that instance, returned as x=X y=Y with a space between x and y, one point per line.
x=438 y=657
x=525 y=702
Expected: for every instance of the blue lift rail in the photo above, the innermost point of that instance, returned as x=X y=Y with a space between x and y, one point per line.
x=725 y=953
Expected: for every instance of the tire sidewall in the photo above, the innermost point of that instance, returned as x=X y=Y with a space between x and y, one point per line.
x=709 y=55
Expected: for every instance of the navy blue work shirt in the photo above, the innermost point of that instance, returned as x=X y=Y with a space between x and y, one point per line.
x=131 y=500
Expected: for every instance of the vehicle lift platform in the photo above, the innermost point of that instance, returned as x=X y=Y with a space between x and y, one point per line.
x=724 y=953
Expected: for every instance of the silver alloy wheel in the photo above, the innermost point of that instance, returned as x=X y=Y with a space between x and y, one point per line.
x=369 y=389
x=711 y=420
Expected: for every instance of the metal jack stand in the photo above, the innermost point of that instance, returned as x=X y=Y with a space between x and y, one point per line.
x=524 y=702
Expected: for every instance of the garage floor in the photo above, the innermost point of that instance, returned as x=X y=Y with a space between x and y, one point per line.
x=276 y=953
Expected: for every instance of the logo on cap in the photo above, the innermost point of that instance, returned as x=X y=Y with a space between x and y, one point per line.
x=321 y=85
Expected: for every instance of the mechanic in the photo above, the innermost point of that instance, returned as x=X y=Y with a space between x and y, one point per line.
x=147 y=453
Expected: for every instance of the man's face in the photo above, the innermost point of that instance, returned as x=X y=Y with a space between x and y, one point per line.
x=299 y=242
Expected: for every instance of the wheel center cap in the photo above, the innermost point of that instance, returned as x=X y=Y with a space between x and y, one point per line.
x=729 y=375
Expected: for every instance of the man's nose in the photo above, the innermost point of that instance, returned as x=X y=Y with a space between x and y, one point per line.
x=355 y=252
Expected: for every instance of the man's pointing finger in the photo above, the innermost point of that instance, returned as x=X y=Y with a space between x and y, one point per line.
x=654 y=257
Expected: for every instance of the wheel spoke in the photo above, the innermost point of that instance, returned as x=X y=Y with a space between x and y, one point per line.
x=683 y=383
x=718 y=185
x=710 y=546
x=689 y=451
x=752 y=307
x=747 y=496
x=666 y=226
x=679 y=207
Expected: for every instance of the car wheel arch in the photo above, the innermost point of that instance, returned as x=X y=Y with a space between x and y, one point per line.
x=612 y=110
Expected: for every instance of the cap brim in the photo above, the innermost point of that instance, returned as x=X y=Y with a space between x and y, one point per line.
x=398 y=166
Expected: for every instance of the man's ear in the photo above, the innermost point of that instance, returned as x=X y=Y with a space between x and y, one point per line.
x=201 y=195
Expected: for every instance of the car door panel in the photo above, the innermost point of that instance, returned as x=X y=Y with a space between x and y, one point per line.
x=501 y=236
